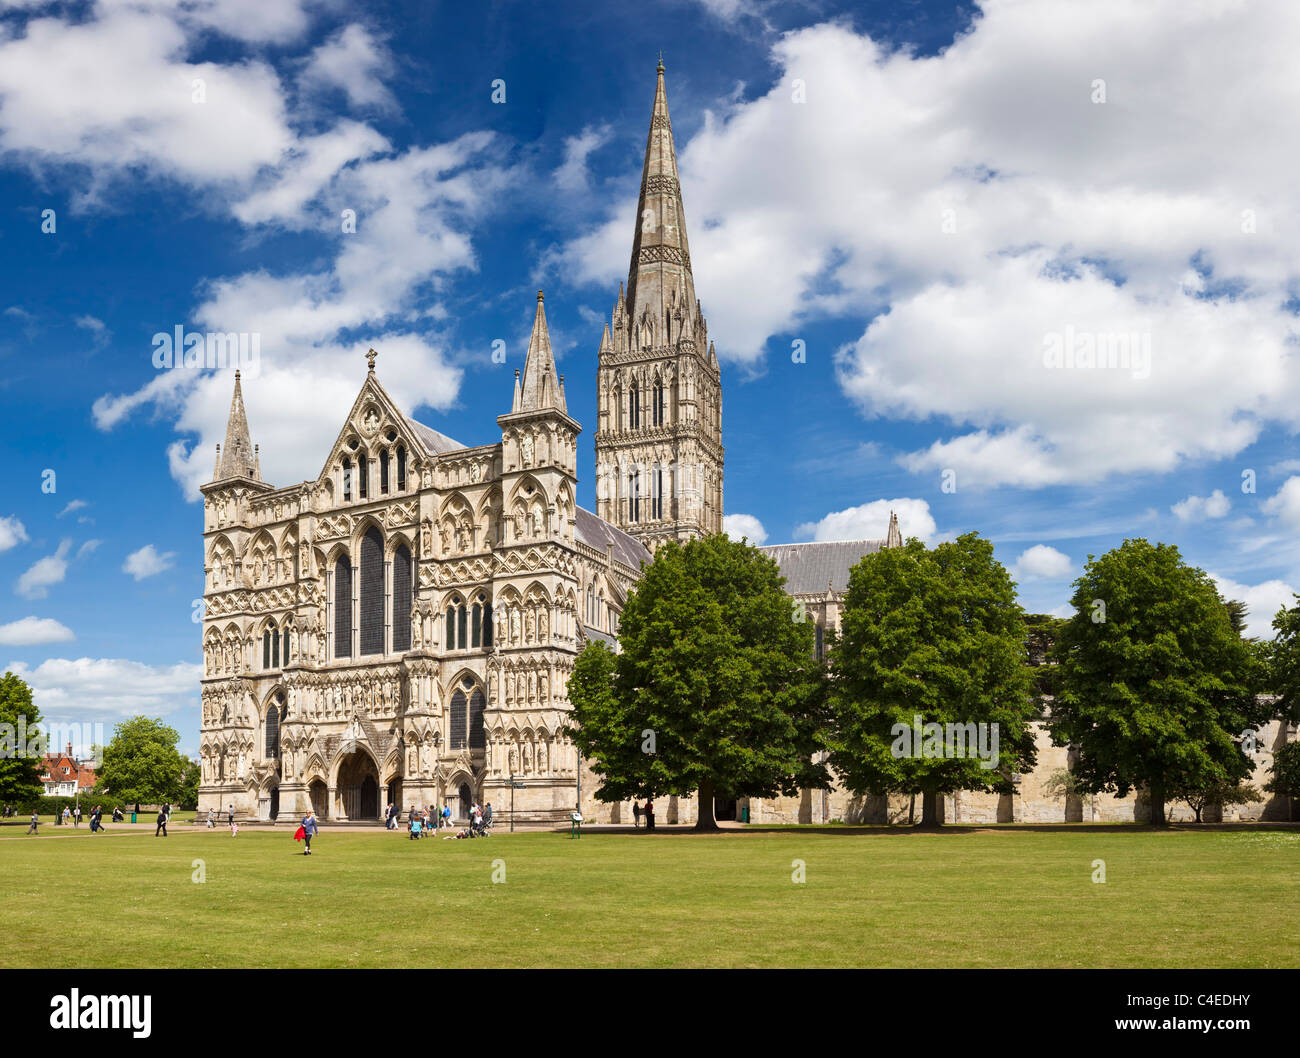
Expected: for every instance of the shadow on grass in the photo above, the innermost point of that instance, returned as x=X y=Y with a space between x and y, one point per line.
x=949 y=829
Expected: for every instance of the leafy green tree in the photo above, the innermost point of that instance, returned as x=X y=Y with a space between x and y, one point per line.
x=189 y=791
x=141 y=762
x=935 y=634
x=1285 y=773
x=1156 y=687
x=715 y=690
x=20 y=764
x=1198 y=798
x=1283 y=661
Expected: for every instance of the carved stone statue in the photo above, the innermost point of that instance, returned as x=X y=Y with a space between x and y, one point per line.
x=526 y=450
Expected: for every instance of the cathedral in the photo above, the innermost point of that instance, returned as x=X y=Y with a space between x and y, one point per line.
x=401 y=628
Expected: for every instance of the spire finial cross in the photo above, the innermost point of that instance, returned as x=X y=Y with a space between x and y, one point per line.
x=370 y=359
x=661 y=60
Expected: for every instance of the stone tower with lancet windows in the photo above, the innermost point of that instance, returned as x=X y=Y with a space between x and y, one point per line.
x=659 y=389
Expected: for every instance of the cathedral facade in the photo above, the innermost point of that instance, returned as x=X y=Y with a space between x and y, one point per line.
x=401 y=629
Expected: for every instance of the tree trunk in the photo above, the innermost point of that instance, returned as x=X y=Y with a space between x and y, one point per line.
x=911 y=811
x=704 y=817
x=929 y=808
x=1156 y=793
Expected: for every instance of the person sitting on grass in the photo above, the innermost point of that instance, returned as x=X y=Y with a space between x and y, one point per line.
x=416 y=827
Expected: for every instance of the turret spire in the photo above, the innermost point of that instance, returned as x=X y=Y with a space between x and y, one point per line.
x=238 y=458
x=539 y=388
x=894 y=538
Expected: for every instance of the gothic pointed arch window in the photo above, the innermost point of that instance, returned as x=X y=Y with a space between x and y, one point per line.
x=403 y=597
x=343 y=607
x=371 y=608
x=634 y=406
x=275 y=648
x=401 y=468
x=477 y=734
x=383 y=471
x=266 y=649
x=347 y=478
x=656 y=492
x=363 y=475
x=476 y=625
x=272 y=741
x=658 y=412
x=634 y=495
x=487 y=621
x=459 y=720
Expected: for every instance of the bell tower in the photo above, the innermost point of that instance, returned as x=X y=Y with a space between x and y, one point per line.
x=659 y=449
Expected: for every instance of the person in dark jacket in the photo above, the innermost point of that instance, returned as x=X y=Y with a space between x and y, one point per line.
x=162 y=823
x=649 y=815
x=309 y=828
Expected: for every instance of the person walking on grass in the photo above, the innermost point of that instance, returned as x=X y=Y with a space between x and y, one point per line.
x=36 y=822
x=76 y=816
x=309 y=828
x=162 y=823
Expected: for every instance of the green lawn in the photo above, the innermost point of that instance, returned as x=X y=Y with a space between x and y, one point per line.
x=974 y=898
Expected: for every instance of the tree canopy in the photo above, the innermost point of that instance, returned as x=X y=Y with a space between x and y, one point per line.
x=1156 y=687
x=715 y=689
x=935 y=635
x=21 y=743
x=141 y=762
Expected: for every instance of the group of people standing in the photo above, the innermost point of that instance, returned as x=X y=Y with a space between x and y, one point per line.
x=73 y=816
x=423 y=821
x=648 y=812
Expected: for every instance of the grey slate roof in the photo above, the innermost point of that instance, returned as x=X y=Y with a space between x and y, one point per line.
x=595 y=635
x=435 y=443
x=809 y=568
x=596 y=532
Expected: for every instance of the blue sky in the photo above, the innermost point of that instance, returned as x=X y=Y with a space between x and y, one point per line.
x=927 y=196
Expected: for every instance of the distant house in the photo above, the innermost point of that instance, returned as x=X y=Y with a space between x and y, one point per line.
x=63 y=775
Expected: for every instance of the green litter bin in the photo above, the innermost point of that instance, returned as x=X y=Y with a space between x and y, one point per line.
x=132 y=817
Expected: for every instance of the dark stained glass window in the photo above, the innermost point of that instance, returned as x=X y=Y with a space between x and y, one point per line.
x=343 y=608
x=372 y=592
x=401 y=600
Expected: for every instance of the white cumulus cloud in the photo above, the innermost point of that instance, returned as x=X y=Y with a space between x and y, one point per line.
x=739 y=526
x=34 y=631
x=1199 y=508
x=870 y=521
x=147 y=562
x=1041 y=562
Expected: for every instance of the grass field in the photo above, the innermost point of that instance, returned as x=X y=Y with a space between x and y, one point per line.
x=964 y=898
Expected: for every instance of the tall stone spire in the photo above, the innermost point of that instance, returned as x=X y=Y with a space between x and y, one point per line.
x=659 y=454
x=238 y=458
x=893 y=538
x=540 y=388
x=660 y=287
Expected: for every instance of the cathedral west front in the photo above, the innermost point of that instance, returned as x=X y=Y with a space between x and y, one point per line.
x=401 y=628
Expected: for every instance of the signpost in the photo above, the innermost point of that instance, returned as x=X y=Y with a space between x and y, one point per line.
x=513 y=787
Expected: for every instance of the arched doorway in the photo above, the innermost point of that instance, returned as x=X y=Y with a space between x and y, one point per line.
x=319 y=799
x=466 y=800
x=358 y=786
x=275 y=802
